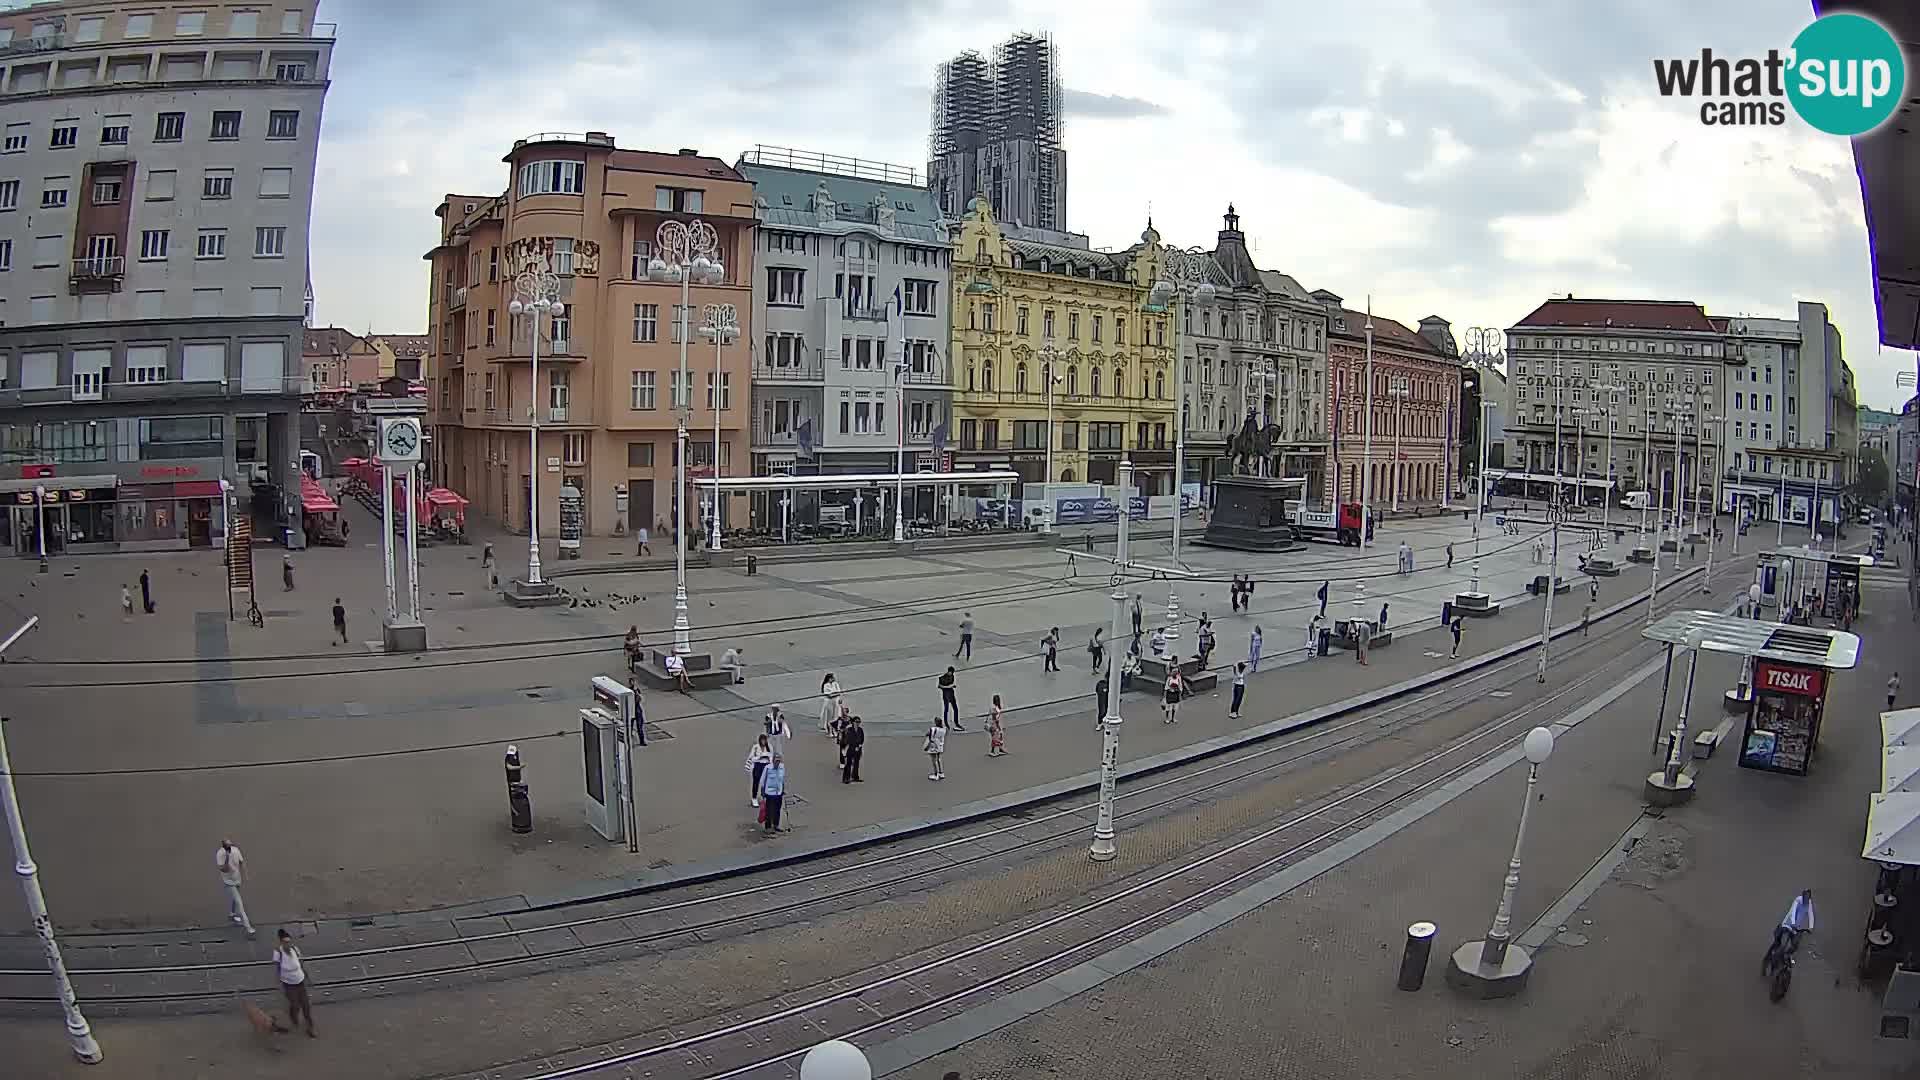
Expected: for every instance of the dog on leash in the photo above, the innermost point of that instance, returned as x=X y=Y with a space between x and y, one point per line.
x=264 y=1024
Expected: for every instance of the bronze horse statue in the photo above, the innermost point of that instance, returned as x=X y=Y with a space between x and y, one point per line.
x=1252 y=446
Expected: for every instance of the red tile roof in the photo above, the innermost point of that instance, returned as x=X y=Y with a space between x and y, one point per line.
x=1621 y=315
x=675 y=164
x=1386 y=333
x=331 y=341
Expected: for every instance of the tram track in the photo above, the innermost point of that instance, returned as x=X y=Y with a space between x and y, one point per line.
x=1044 y=824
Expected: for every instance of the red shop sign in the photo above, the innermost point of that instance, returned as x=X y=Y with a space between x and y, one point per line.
x=1782 y=679
x=165 y=472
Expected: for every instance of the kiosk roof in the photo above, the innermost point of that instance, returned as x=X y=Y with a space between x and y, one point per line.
x=1835 y=650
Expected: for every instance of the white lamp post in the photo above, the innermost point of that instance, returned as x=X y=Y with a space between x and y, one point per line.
x=1480 y=485
x=79 y=1035
x=535 y=293
x=685 y=252
x=1713 y=518
x=1202 y=293
x=1102 y=849
x=1647 y=468
x=1366 y=452
x=835 y=1060
x=40 y=518
x=1669 y=787
x=1493 y=966
x=1048 y=356
x=1554 y=512
x=721 y=326
x=1612 y=390
x=1399 y=392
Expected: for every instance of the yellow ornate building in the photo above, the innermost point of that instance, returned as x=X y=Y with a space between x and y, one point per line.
x=1032 y=306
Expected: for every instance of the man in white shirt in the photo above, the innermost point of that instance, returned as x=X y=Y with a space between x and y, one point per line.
x=677 y=668
x=232 y=868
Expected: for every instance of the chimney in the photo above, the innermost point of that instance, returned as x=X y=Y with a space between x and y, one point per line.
x=684 y=152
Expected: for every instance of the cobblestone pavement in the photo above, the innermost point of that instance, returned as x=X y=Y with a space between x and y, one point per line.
x=352 y=819
x=710 y=979
x=1655 y=976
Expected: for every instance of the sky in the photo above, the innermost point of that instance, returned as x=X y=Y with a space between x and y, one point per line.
x=1461 y=158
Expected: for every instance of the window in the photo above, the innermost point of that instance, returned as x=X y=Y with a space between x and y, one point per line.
x=138 y=26
x=684 y=200
x=1093 y=381
x=1106 y=436
x=1069 y=436
x=49 y=250
x=113 y=130
x=226 y=125
x=206 y=303
x=9 y=194
x=786 y=288
x=490 y=327
x=270 y=242
x=641 y=390
x=53 y=192
x=6 y=254
x=243 y=24
x=1046 y=324
x=211 y=244
x=282 y=124
x=1096 y=329
x=726 y=391
x=639 y=454
x=573 y=448
x=169 y=126
x=146 y=364
x=16 y=139
x=217 y=184
x=66 y=134
x=846 y=414
x=265 y=299
x=919 y=297
x=987 y=311
x=189 y=23
x=560 y=329
x=153 y=244
x=553 y=178
x=646 y=324
x=680 y=393
x=278 y=184
x=290 y=71
x=563 y=255
x=1073 y=326
x=1019 y=321
x=1029 y=434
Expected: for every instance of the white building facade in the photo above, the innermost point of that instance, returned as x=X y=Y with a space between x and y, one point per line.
x=156 y=184
x=1792 y=422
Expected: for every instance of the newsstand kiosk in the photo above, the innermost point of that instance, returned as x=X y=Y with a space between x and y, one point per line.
x=1783 y=720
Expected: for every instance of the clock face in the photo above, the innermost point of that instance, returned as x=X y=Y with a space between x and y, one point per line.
x=402 y=439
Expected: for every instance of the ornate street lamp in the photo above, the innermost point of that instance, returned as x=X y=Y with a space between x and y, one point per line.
x=685 y=252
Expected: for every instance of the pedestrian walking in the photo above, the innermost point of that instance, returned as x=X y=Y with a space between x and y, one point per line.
x=1313 y=636
x=966 y=636
x=146 y=593
x=486 y=566
x=1449 y=554
x=1206 y=641
x=1586 y=616
x=1455 y=627
x=1323 y=598
x=1253 y=649
x=293 y=981
x=1593 y=591
x=936 y=748
x=829 y=702
x=1406 y=558
x=126 y=602
x=1383 y=615
x=232 y=867
x=759 y=756
x=1097 y=648
x=996 y=730
x=1753 y=599
x=1051 y=646
x=949 y=704
x=1137 y=609
x=286 y=573
x=773 y=793
x=1361 y=632
x=644 y=544
x=853 y=746
x=1176 y=686
x=777 y=731
x=339 y=621
x=1239 y=690
x=1158 y=642
x=1893 y=688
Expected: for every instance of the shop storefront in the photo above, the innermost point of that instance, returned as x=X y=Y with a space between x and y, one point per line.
x=140 y=507
x=75 y=513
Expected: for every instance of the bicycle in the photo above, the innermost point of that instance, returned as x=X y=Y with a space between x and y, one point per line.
x=254 y=614
x=1777 y=966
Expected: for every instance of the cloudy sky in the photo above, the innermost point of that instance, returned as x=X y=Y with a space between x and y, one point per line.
x=1467 y=164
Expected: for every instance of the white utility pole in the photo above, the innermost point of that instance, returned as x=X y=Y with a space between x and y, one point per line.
x=1554 y=513
x=79 y=1035
x=1366 y=452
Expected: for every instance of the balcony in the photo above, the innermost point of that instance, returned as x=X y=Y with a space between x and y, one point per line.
x=98 y=270
x=572 y=414
x=935 y=373
x=764 y=437
x=809 y=368
x=863 y=314
x=458 y=300
x=165 y=390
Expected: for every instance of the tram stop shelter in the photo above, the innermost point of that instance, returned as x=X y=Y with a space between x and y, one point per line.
x=864 y=502
x=1815 y=582
x=1790 y=670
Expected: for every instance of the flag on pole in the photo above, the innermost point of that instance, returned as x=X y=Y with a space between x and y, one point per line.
x=804 y=436
x=898 y=299
x=940 y=438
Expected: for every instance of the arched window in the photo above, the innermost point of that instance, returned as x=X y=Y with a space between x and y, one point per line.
x=1119 y=382
x=1160 y=384
x=1073 y=380
x=1066 y=476
x=1094 y=380
x=1020 y=378
x=981 y=251
x=986 y=377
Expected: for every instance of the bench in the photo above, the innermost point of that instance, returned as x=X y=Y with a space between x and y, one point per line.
x=1342 y=635
x=701 y=672
x=1153 y=676
x=1538 y=586
x=1706 y=742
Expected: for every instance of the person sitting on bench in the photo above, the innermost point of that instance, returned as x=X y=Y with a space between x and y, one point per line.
x=677 y=668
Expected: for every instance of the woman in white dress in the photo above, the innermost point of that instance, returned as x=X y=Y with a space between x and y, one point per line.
x=829 y=702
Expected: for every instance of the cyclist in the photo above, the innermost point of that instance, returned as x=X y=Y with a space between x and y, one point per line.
x=1786 y=937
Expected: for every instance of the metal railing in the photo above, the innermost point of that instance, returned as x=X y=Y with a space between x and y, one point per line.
x=36 y=43
x=458 y=300
x=804 y=369
x=814 y=161
x=939 y=373
x=591 y=138
x=164 y=390
x=764 y=437
x=95 y=267
x=572 y=414
x=864 y=314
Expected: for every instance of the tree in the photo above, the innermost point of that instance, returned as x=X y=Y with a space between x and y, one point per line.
x=1874 y=475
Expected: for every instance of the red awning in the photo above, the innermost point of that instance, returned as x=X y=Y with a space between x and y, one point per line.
x=197 y=489
x=445 y=497
x=316 y=502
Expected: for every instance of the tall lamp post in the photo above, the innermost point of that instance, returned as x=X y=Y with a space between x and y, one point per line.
x=1399 y=392
x=900 y=452
x=1712 y=519
x=1554 y=512
x=1612 y=391
x=535 y=293
x=1102 y=849
x=79 y=1035
x=1366 y=452
x=1493 y=967
x=1480 y=486
x=1048 y=375
x=684 y=252
x=721 y=326
x=1203 y=293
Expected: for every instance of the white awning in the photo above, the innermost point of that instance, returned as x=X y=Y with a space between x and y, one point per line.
x=1900 y=768
x=1901 y=727
x=59 y=483
x=1893 y=828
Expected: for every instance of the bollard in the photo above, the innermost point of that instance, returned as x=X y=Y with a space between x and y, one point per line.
x=753 y=565
x=1413 y=961
x=519 y=806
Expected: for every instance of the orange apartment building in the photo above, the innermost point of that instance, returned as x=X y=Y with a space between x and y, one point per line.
x=589 y=212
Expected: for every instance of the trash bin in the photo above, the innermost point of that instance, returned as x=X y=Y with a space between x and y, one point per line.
x=1413 y=960
x=521 y=808
x=1446 y=612
x=1326 y=638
